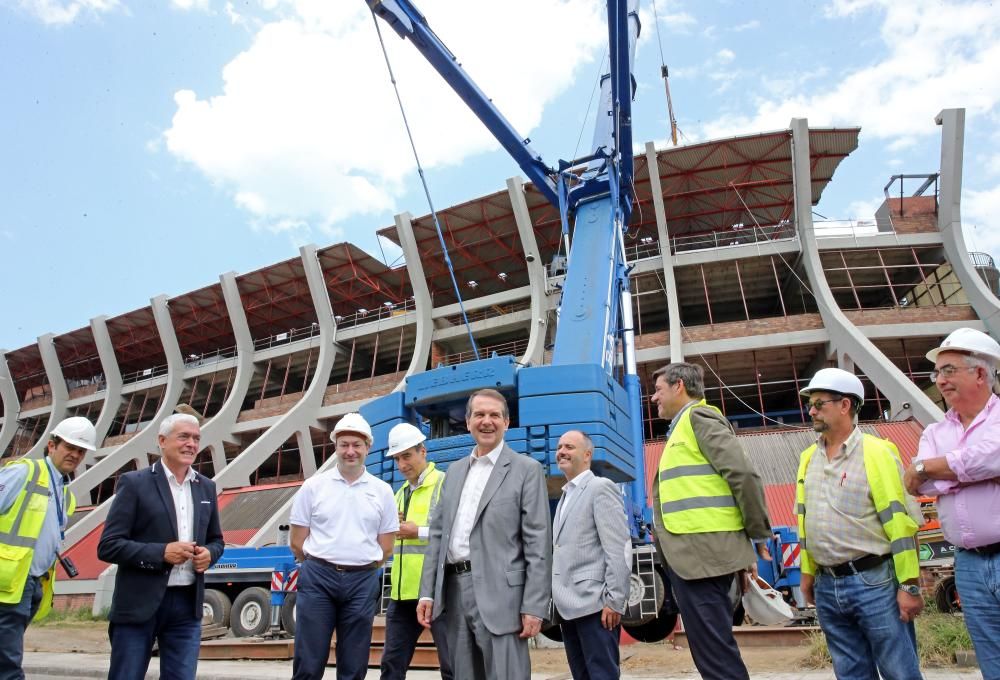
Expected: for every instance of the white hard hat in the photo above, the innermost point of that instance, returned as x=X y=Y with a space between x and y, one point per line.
x=355 y=424
x=77 y=431
x=764 y=605
x=835 y=380
x=969 y=340
x=402 y=437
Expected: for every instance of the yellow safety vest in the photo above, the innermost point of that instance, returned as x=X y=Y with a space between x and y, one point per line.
x=694 y=498
x=408 y=554
x=881 y=460
x=20 y=527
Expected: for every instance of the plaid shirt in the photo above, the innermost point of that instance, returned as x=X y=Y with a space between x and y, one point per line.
x=841 y=521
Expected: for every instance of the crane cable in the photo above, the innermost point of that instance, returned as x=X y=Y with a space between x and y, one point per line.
x=427 y=193
x=664 y=72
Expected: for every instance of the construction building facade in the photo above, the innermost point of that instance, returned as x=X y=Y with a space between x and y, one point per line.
x=730 y=270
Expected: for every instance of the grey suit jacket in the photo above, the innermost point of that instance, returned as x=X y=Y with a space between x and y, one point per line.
x=510 y=545
x=589 y=568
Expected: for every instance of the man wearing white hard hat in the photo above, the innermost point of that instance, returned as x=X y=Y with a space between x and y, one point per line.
x=35 y=505
x=959 y=462
x=416 y=500
x=344 y=522
x=857 y=530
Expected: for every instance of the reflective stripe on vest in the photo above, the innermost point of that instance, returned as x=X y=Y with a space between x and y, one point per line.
x=880 y=459
x=20 y=528
x=694 y=498
x=408 y=554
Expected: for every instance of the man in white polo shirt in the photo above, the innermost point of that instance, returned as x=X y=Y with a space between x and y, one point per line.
x=344 y=522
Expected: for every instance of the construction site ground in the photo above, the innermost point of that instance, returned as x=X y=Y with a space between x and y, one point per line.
x=81 y=649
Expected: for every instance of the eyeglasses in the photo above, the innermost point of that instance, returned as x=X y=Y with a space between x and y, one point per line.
x=818 y=403
x=949 y=370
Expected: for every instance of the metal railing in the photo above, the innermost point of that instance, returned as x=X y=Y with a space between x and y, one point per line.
x=736 y=237
x=982 y=260
x=491 y=312
x=514 y=348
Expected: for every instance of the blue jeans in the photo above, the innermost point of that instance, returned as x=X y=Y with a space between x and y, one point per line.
x=14 y=620
x=331 y=600
x=174 y=627
x=978 y=580
x=859 y=616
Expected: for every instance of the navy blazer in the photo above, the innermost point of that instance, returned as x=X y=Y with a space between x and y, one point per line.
x=141 y=522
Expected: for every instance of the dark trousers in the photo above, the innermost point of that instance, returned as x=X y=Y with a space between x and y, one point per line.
x=176 y=630
x=14 y=620
x=591 y=649
x=401 y=632
x=708 y=621
x=331 y=600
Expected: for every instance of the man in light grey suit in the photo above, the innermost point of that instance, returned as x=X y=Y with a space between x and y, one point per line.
x=590 y=574
x=488 y=564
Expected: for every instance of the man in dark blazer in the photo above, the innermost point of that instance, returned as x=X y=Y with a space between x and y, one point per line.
x=488 y=563
x=163 y=532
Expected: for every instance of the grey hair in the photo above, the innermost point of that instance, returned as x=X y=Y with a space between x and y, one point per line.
x=168 y=423
x=588 y=443
x=988 y=365
x=693 y=376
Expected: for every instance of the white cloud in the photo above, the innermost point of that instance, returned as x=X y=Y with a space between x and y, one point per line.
x=307 y=126
x=190 y=4
x=56 y=12
x=863 y=210
x=725 y=56
x=980 y=222
x=938 y=55
x=748 y=26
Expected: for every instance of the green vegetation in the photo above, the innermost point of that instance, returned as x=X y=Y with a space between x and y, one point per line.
x=78 y=615
x=939 y=636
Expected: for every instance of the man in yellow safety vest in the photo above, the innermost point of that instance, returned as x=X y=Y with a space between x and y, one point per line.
x=35 y=505
x=857 y=531
x=416 y=500
x=708 y=505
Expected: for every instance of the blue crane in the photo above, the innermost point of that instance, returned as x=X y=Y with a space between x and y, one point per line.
x=591 y=383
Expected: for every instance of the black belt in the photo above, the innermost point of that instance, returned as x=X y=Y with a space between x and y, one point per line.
x=854 y=566
x=985 y=550
x=457 y=567
x=344 y=567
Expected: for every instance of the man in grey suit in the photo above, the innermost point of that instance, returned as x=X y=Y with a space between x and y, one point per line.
x=590 y=574
x=488 y=564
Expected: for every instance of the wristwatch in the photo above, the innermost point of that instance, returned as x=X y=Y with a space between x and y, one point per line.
x=912 y=590
x=918 y=467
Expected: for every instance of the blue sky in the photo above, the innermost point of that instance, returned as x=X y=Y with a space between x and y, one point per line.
x=149 y=146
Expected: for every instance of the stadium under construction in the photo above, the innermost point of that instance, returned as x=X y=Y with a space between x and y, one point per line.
x=730 y=270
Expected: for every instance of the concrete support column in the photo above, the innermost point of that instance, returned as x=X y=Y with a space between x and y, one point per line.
x=982 y=299
x=11 y=404
x=306 y=454
x=145 y=441
x=421 y=298
x=534 y=354
x=666 y=257
x=846 y=340
x=303 y=414
x=112 y=384
x=219 y=428
x=60 y=394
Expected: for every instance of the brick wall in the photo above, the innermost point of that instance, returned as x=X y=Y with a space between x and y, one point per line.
x=913 y=214
x=62 y=603
x=872 y=317
x=734 y=329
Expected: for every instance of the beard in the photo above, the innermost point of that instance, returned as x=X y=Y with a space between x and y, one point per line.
x=820 y=426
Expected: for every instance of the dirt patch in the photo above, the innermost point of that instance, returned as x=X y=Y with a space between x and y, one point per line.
x=89 y=637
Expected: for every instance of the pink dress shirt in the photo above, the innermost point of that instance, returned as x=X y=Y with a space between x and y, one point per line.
x=969 y=509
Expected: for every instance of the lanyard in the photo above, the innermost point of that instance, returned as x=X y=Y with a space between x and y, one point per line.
x=60 y=513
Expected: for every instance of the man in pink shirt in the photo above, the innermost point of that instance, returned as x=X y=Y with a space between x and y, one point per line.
x=959 y=462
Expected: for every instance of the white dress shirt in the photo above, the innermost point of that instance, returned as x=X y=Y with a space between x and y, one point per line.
x=182 y=574
x=345 y=518
x=571 y=487
x=480 y=468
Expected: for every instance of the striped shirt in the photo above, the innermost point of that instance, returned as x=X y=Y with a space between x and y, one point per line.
x=841 y=521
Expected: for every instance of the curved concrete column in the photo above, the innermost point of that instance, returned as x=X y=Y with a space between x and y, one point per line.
x=144 y=442
x=112 y=382
x=60 y=393
x=982 y=299
x=11 y=404
x=421 y=299
x=219 y=428
x=847 y=341
x=303 y=413
x=534 y=354
x=666 y=257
